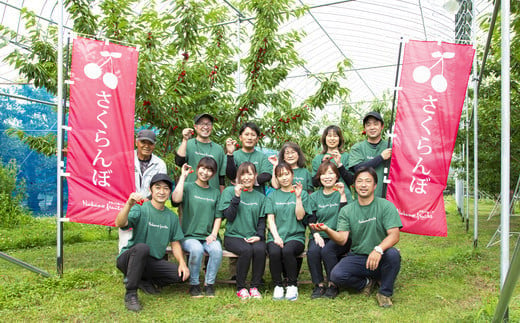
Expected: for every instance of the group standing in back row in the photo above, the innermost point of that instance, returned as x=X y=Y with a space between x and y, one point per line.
x=351 y=238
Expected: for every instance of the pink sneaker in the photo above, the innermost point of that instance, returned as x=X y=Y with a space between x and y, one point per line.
x=243 y=294
x=254 y=293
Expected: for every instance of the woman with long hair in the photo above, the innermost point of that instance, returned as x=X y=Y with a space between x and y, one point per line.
x=332 y=143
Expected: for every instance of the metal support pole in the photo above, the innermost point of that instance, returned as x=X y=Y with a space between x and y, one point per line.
x=475 y=128
x=24 y=264
x=466 y=196
x=463 y=199
x=59 y=207
x=386 y=163
x=505 y=135
x=509 y=285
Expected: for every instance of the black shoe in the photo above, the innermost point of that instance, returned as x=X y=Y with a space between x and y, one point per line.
x=132 y=302
x=331 y=292
x=148 y=287
x=209 y=290
x=318 y=292
x=195 y=291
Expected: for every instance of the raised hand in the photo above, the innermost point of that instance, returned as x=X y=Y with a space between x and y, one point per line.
x=230 y=145
x=187 y=133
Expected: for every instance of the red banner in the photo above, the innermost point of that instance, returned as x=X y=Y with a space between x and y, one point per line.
x=434 y=79
x=100 y=156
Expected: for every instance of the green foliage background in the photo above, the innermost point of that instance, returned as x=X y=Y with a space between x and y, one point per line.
x=188 y=65
x=489 y=108
x=12 y=213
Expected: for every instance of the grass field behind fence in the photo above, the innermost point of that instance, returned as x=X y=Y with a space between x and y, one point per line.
x=441 y=279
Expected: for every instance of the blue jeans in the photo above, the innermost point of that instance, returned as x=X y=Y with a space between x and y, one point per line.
x=196 y=249
x=351 y=271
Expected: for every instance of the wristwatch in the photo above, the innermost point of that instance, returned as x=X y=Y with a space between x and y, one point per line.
x=378 y=249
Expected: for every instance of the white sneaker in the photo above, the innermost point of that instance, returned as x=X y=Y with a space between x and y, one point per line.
x=278 y=293
x=292 y=293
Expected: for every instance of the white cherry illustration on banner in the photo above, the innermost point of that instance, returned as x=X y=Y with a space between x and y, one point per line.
x=422 y=74
x=93 y=71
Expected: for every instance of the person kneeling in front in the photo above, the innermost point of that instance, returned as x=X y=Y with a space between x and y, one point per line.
x=154 y=227
x=373 y=224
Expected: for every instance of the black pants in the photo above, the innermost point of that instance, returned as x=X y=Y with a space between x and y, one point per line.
x=286 y=257
x=137 y=264
x=247 y=253
x=329 y=255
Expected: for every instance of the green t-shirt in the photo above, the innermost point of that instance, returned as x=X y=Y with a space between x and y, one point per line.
x=316 y=162
x=199 y=210
x=195 y=150
x=302 y=175
x=368 y=224
x=258 y=158
x=250 y=210
x=327 y=209
x=364 y=151
x=282 y=205
x=156 y=228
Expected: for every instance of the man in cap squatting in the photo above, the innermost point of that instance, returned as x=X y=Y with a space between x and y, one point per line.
x=373 y=151
x=154 y=227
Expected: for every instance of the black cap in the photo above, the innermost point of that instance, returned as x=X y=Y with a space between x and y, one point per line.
x=203 y=115
x=161 y=178
x=146 y=135
x=373 y=114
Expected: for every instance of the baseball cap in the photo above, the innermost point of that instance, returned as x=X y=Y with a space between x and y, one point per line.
x=161 y=178
x=203 y=115
x=373 y=114
x=146 y=135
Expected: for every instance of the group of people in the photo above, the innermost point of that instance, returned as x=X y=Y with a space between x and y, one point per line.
x=351 y=240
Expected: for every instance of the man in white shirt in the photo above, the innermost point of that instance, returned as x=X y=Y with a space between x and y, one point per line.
x=146 y=165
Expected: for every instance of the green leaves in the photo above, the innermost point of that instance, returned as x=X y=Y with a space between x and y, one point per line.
x=489 y=109
x=189 y=64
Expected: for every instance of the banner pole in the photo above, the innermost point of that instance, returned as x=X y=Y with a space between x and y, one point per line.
x=59 y=145
x=396 y=83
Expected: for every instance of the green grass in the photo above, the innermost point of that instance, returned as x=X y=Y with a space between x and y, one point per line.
x=441 y=279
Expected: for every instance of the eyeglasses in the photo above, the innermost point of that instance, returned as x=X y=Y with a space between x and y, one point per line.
x=205 y=124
